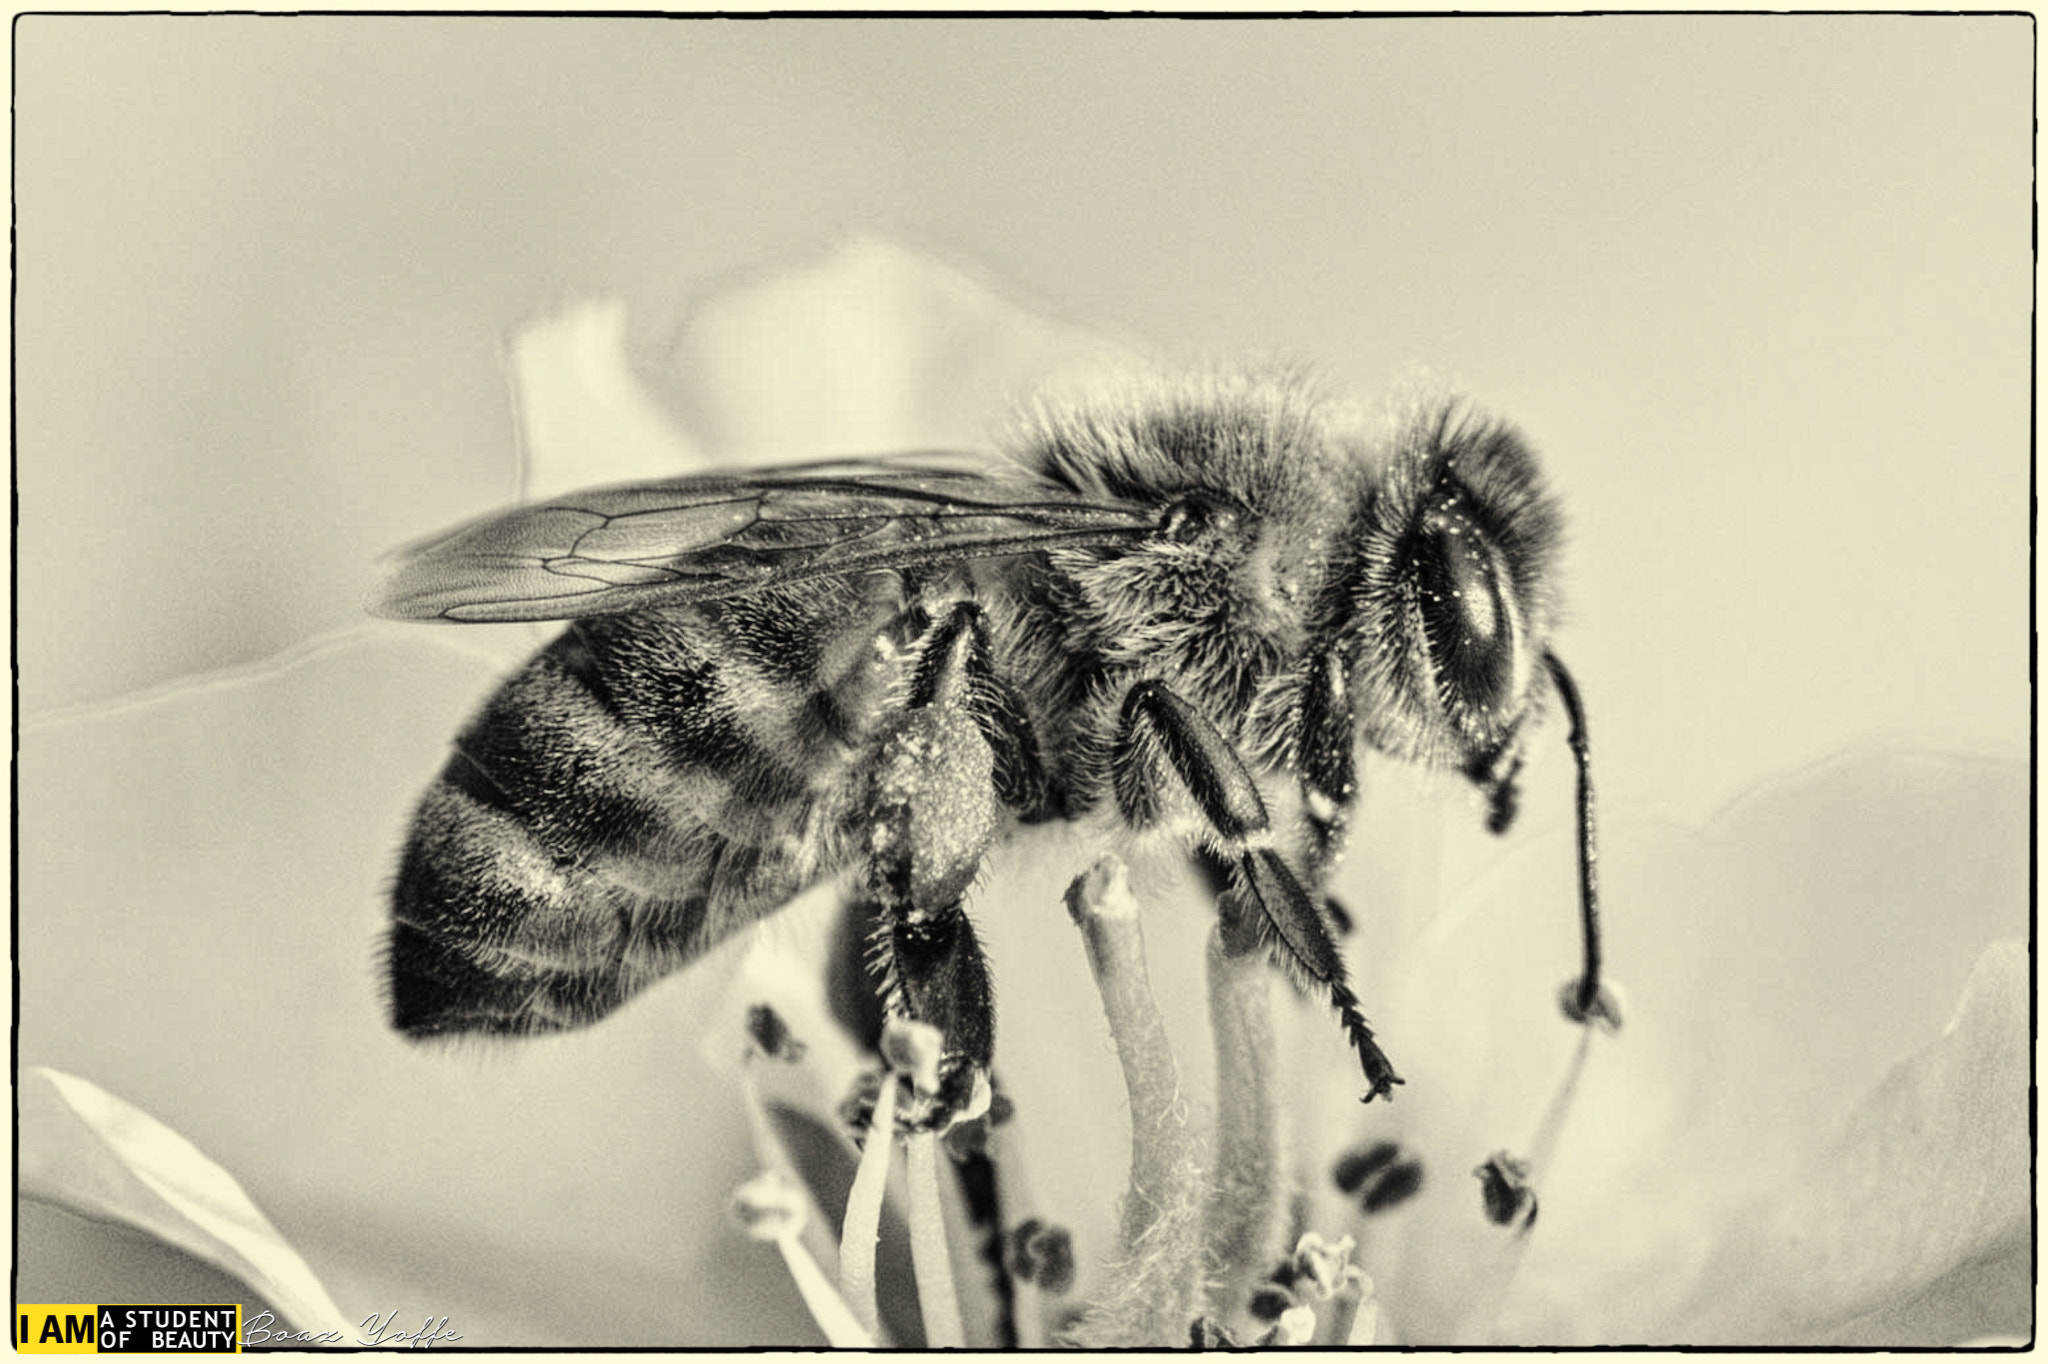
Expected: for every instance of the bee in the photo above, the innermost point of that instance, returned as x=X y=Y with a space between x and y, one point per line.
x=1175 y=615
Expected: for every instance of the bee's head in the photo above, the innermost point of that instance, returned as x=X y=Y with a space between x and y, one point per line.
x=1449 y=596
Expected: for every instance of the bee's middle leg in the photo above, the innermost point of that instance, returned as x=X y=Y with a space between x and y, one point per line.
x=935 y=797
x=1262 y=901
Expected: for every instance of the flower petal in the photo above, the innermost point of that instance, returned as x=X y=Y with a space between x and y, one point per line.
x=585 y=418
x=243 y=827
x=97 y=1155
x=205 y=941
x=869 y=348
x=1927 y=1180
x=1779 y=961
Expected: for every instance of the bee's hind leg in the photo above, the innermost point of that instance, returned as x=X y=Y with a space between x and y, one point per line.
x=1262 y=901
x=934 y=801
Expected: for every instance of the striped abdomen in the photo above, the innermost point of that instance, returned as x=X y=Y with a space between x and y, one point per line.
x=644 y=786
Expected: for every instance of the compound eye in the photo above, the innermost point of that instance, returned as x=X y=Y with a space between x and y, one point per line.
x=1468 y=613
x=1195 y=515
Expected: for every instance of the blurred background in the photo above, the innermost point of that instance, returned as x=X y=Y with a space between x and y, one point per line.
x=1758 y=288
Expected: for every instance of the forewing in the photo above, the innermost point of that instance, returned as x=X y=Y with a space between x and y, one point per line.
x=639 y=546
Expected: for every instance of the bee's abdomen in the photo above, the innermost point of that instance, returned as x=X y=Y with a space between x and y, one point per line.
x=639 y=790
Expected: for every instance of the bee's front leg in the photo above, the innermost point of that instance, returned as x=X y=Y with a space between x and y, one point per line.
x=933 y=808
x=1263 y=903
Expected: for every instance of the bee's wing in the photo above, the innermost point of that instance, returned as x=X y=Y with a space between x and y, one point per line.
x=645 y=545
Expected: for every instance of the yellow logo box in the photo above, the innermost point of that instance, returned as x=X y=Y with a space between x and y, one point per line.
x=84 y=1328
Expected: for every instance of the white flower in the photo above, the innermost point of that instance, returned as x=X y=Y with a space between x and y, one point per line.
x=1783 y=1146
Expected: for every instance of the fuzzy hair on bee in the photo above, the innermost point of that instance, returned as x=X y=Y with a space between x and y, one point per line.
x=1170 y=612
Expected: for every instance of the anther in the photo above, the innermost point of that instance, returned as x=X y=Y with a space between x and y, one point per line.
x=1323 y=1267
x=771 y=1035
x=1297 y=1326
x=1378 y=1176
x=1356 y=1166
x=1042 y=1254
x=1505 y=1191
x=768 y=1207
x=912 y=1049
x=1269 y=1301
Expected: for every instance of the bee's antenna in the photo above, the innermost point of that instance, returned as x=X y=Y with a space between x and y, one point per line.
x=1583 y=1000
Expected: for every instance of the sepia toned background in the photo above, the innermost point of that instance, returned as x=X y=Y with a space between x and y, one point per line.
x=1757 y=288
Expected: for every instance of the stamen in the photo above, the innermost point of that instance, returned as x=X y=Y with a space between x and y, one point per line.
x=1542 y=1146
x=1154 y=1282
x=1504 y=1188
x=1247 y=1205
x=771 y=1208
x=1042 y=1255
x=1365 y=1317
x=1268 y=1301
x=1323 y=1267
x=1378 y=1176
x=913 y=1050
x=1354 y=1167
x=929 y=1255
x=1038 y=1260
x=1508 y=1195
x=861 y=1229
x=771 y=1035
x=1297 y=1326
